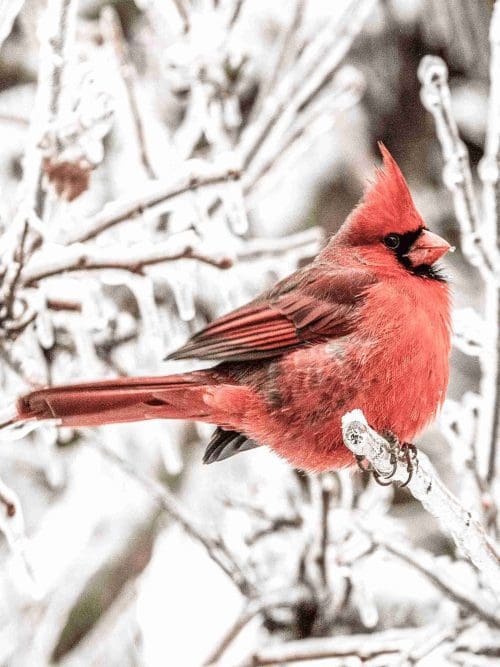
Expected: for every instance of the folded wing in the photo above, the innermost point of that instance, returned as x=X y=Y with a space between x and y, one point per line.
x=311 y=305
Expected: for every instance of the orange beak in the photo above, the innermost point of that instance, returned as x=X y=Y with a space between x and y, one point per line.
x=427 y=249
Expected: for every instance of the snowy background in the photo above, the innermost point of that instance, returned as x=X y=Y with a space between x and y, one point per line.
x=161 y=162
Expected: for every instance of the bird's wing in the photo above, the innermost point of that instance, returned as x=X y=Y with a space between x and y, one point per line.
x=311 y=305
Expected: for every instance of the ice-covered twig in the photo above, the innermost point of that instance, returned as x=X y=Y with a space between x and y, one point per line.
x=60 y=16
x=425 y=486
x=214 y=546
x=489 y=172
x=112 y=32
x=489 y=167
x=316 y=65
x=427 y=565
x=363 y=647
x=129 y=208
x=60 y=19
x=277 y=600
x=132 y=258
x=457 y=176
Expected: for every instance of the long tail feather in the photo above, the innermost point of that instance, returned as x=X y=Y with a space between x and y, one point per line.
x=120 y=400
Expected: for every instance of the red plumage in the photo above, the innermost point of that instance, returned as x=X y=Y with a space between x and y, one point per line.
x=366 y=325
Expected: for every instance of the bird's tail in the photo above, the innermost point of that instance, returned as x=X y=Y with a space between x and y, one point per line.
x=121 y=400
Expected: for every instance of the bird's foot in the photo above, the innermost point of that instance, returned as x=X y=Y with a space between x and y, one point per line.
x=405 y=450
x=410 y=453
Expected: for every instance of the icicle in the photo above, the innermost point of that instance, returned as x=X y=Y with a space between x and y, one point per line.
x=12 y=526
x=11 y=516
x=202 y=219
x=204 y=431
x=51 y=462
x=363 y=601
x=234 y=206
x=458 y=421
x=89 y=361
x=231 y=112
x=44 y=327
x=168 y=438
x=184 y=298
x=468 y=331
x=142 y=288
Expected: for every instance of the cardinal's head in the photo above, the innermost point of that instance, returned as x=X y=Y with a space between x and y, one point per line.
x=387 y=231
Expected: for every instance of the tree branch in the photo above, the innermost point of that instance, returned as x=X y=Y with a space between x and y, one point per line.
x=457 y=175
x=468 y=535
x=133 y=259
x=129 y=208
x=427 y=565
x=364 y=647
x=214 y=547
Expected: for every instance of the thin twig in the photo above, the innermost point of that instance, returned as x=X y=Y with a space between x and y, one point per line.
x=425 y=485
x=427 y=565
x=489 y=172
x=129 y=208
x=214 y=547
x=133 y=259
x=457 y=175
x=363 y=647
x=266 y=603
x=112 y=32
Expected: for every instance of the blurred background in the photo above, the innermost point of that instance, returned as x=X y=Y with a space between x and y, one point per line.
x=246 y=130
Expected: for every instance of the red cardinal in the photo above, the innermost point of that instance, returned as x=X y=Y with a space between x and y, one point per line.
x=366 y=325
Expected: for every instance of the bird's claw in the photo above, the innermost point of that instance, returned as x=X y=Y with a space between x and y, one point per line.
x=407 y=450
x=410 y=453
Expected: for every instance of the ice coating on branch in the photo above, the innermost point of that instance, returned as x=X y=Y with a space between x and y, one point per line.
x=468 y=331
x=234 y=207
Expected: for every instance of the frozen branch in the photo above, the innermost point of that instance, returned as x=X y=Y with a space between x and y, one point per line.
x=276 y=600
x=489 y=167
x=60 y=18
x=53 y=52
x=425 y=486
x=427 y=565
x=132 y=208
x=214 y=547
x=362 y=647
x=316 y=65
x=489 y=172
x=133 y=258
x=457 y=175
x=112 y=32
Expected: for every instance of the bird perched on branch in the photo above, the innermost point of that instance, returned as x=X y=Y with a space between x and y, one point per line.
x=365 y=325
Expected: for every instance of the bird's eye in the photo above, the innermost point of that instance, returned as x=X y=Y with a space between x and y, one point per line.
x=392 y=241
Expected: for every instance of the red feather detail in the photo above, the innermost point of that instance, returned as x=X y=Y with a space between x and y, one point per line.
x=120 y=400
x=311 y=305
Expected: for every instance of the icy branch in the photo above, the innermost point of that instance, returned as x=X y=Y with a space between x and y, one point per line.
x=426 y=564
x=113 y=33
x=363 y=647
x=425 y=486
x=457 y=176
x=133 y=258
x=214 y=547
x=265 y=603
x=132 y=208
